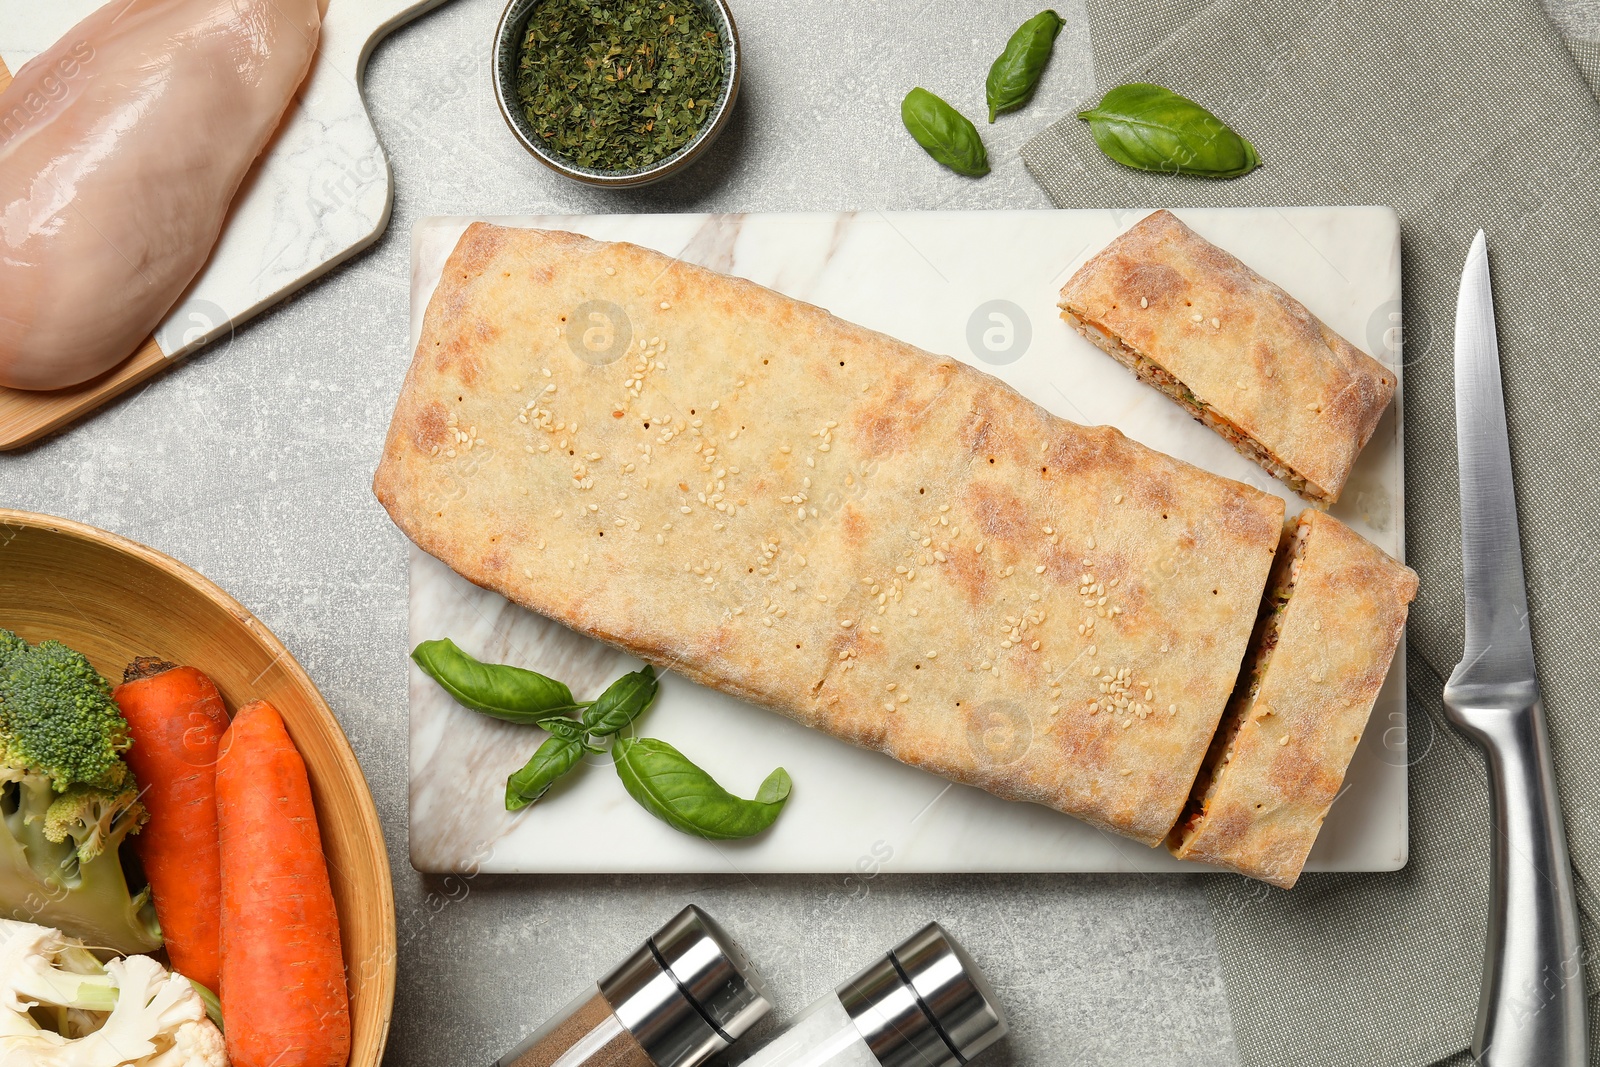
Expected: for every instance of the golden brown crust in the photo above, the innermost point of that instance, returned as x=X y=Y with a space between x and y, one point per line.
x=1248 y=352
x=1336 y=638
x=886 y=545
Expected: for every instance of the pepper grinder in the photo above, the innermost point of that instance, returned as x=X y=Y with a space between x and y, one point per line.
x=686 y=994
x=924 y=1004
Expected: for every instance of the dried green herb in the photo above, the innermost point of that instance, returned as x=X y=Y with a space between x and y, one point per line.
x=617 y=85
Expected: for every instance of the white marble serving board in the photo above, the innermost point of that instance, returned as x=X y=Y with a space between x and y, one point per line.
x=929 y=278
x=320 y=192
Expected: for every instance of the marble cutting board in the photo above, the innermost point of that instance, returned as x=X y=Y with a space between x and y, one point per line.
x=320 y=193
x=979 y=286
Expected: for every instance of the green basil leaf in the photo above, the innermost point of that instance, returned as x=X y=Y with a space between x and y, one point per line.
x=686 y=798
x=945 y=133
x=621 y=703
x=1147 y=127
x=569 y=729
x=508 y=693
x=555 y=757
x=1014 y=74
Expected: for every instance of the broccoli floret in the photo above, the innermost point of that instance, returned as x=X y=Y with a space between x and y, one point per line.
x=57 y=718
x=67 y=801
x=95 y=819
x=10 y=645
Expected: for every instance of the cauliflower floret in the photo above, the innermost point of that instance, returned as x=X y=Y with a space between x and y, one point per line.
x=45 y=968
x=195 y=1044
x=131 y=1012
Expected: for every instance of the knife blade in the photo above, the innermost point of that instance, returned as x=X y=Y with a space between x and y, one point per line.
x=1531 y=1006
x=1499 y=648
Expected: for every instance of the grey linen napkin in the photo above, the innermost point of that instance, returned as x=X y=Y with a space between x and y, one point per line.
x=1459 y=115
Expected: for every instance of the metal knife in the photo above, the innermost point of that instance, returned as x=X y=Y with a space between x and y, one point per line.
x=1531 y=1006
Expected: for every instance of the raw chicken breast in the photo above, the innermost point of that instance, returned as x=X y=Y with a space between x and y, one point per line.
x=120 y=150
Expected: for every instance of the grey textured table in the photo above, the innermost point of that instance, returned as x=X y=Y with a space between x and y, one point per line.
x=252 y=463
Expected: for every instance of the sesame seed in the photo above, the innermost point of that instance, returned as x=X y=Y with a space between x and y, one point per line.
x=1215 y=323
x=847 y=623
x=1196 y=317
x=1039 y=569
x=1144 y=301
x=611 y=271
x=1284 y=740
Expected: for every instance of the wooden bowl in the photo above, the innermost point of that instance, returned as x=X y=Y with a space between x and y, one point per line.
x=113 y=599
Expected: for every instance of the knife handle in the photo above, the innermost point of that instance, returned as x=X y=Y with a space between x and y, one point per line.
x=1531 y=1007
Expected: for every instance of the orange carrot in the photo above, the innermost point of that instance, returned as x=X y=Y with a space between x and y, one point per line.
x=284 y=997
x=176 y=717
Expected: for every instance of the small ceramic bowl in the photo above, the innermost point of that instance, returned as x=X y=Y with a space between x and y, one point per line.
x=507 y=51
